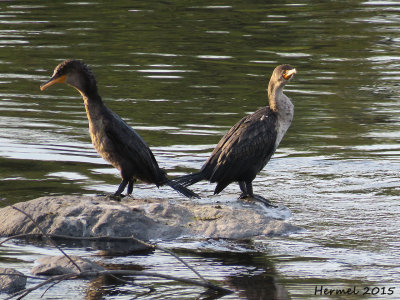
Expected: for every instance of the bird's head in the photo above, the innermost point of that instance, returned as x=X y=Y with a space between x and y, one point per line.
x=283 y=73
x=74 y=73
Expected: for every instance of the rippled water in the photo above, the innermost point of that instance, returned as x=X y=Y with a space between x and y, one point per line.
x=182 y=73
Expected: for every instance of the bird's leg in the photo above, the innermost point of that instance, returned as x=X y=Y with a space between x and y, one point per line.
x=250 y=194
x=243 y=188
x=130 y=186
x=249 y=186
x=118 y=194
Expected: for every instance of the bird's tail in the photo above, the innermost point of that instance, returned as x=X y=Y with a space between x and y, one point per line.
x=181 y=189
x=189 y=179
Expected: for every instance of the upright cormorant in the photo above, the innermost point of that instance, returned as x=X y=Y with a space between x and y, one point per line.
x=113 y=139
x=248 y=146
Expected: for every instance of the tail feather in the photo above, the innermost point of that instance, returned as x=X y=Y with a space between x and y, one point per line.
x=182 y=189
x=190 y=179
x=220 y=186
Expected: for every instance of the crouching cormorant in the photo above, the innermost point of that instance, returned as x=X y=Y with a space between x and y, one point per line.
x=248 y=146
x=112 y=138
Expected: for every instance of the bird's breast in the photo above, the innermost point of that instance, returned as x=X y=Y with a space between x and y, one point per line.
x=283 y=121
x=102 y=144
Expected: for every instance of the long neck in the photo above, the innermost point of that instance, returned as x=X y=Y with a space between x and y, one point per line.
x=275 y=92
x=284 y=109
x=280 y=103
x=93 y=104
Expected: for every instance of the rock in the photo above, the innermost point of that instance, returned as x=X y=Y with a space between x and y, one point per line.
x=12 y=281
x=146 y=219
x=80 y=217
x=60 y=265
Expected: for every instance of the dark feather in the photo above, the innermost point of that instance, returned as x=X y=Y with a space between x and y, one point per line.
x=113 y=139
x=244 y=150
x=139 y=161
x=248 y=146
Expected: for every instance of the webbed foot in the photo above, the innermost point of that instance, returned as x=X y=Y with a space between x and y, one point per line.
x=257 y=198
x=114 y=197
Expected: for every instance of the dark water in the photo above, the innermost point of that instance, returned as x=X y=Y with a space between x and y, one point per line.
x=182 y=73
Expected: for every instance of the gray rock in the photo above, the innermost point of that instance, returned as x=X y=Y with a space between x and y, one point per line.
x=11 y=280
x=60 y=265
x=146 y=219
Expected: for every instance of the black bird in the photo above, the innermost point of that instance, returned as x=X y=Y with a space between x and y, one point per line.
x=113 y=139
x=248 y=146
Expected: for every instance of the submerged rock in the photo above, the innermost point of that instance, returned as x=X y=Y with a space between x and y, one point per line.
x=145 y=219
x=11 y=280
x=60 y=265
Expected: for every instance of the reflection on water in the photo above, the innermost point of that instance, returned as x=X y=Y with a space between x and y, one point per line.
x=182 y=74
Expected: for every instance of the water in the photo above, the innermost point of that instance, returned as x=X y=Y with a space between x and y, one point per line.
x=182 y=73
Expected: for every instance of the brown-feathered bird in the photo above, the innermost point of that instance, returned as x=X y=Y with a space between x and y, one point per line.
x=248 y=146
x=113 y=139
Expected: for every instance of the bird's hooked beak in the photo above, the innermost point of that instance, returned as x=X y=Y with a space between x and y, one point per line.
x=289 y=73
x=53 y=80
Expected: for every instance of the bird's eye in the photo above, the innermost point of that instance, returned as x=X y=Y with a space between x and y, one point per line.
x=288 y=74
x=285 y=75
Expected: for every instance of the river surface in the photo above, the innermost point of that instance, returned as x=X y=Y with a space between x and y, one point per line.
x=182 y=73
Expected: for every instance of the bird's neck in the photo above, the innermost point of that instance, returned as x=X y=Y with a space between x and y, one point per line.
x=275 y=92
x=93 y=105
x=280 y=103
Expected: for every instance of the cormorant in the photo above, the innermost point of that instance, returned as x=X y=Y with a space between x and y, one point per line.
x=248 y=146
x=113 y=139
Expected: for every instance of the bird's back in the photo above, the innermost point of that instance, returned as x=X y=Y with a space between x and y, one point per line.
x=244 y=150
x=124 y=148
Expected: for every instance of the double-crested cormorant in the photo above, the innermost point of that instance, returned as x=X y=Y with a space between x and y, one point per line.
x=249 y=144
x=113 y=139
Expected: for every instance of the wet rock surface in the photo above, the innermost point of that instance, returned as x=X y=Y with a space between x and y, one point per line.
x=145 y=219
x=11 y=280
x=60 y=265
